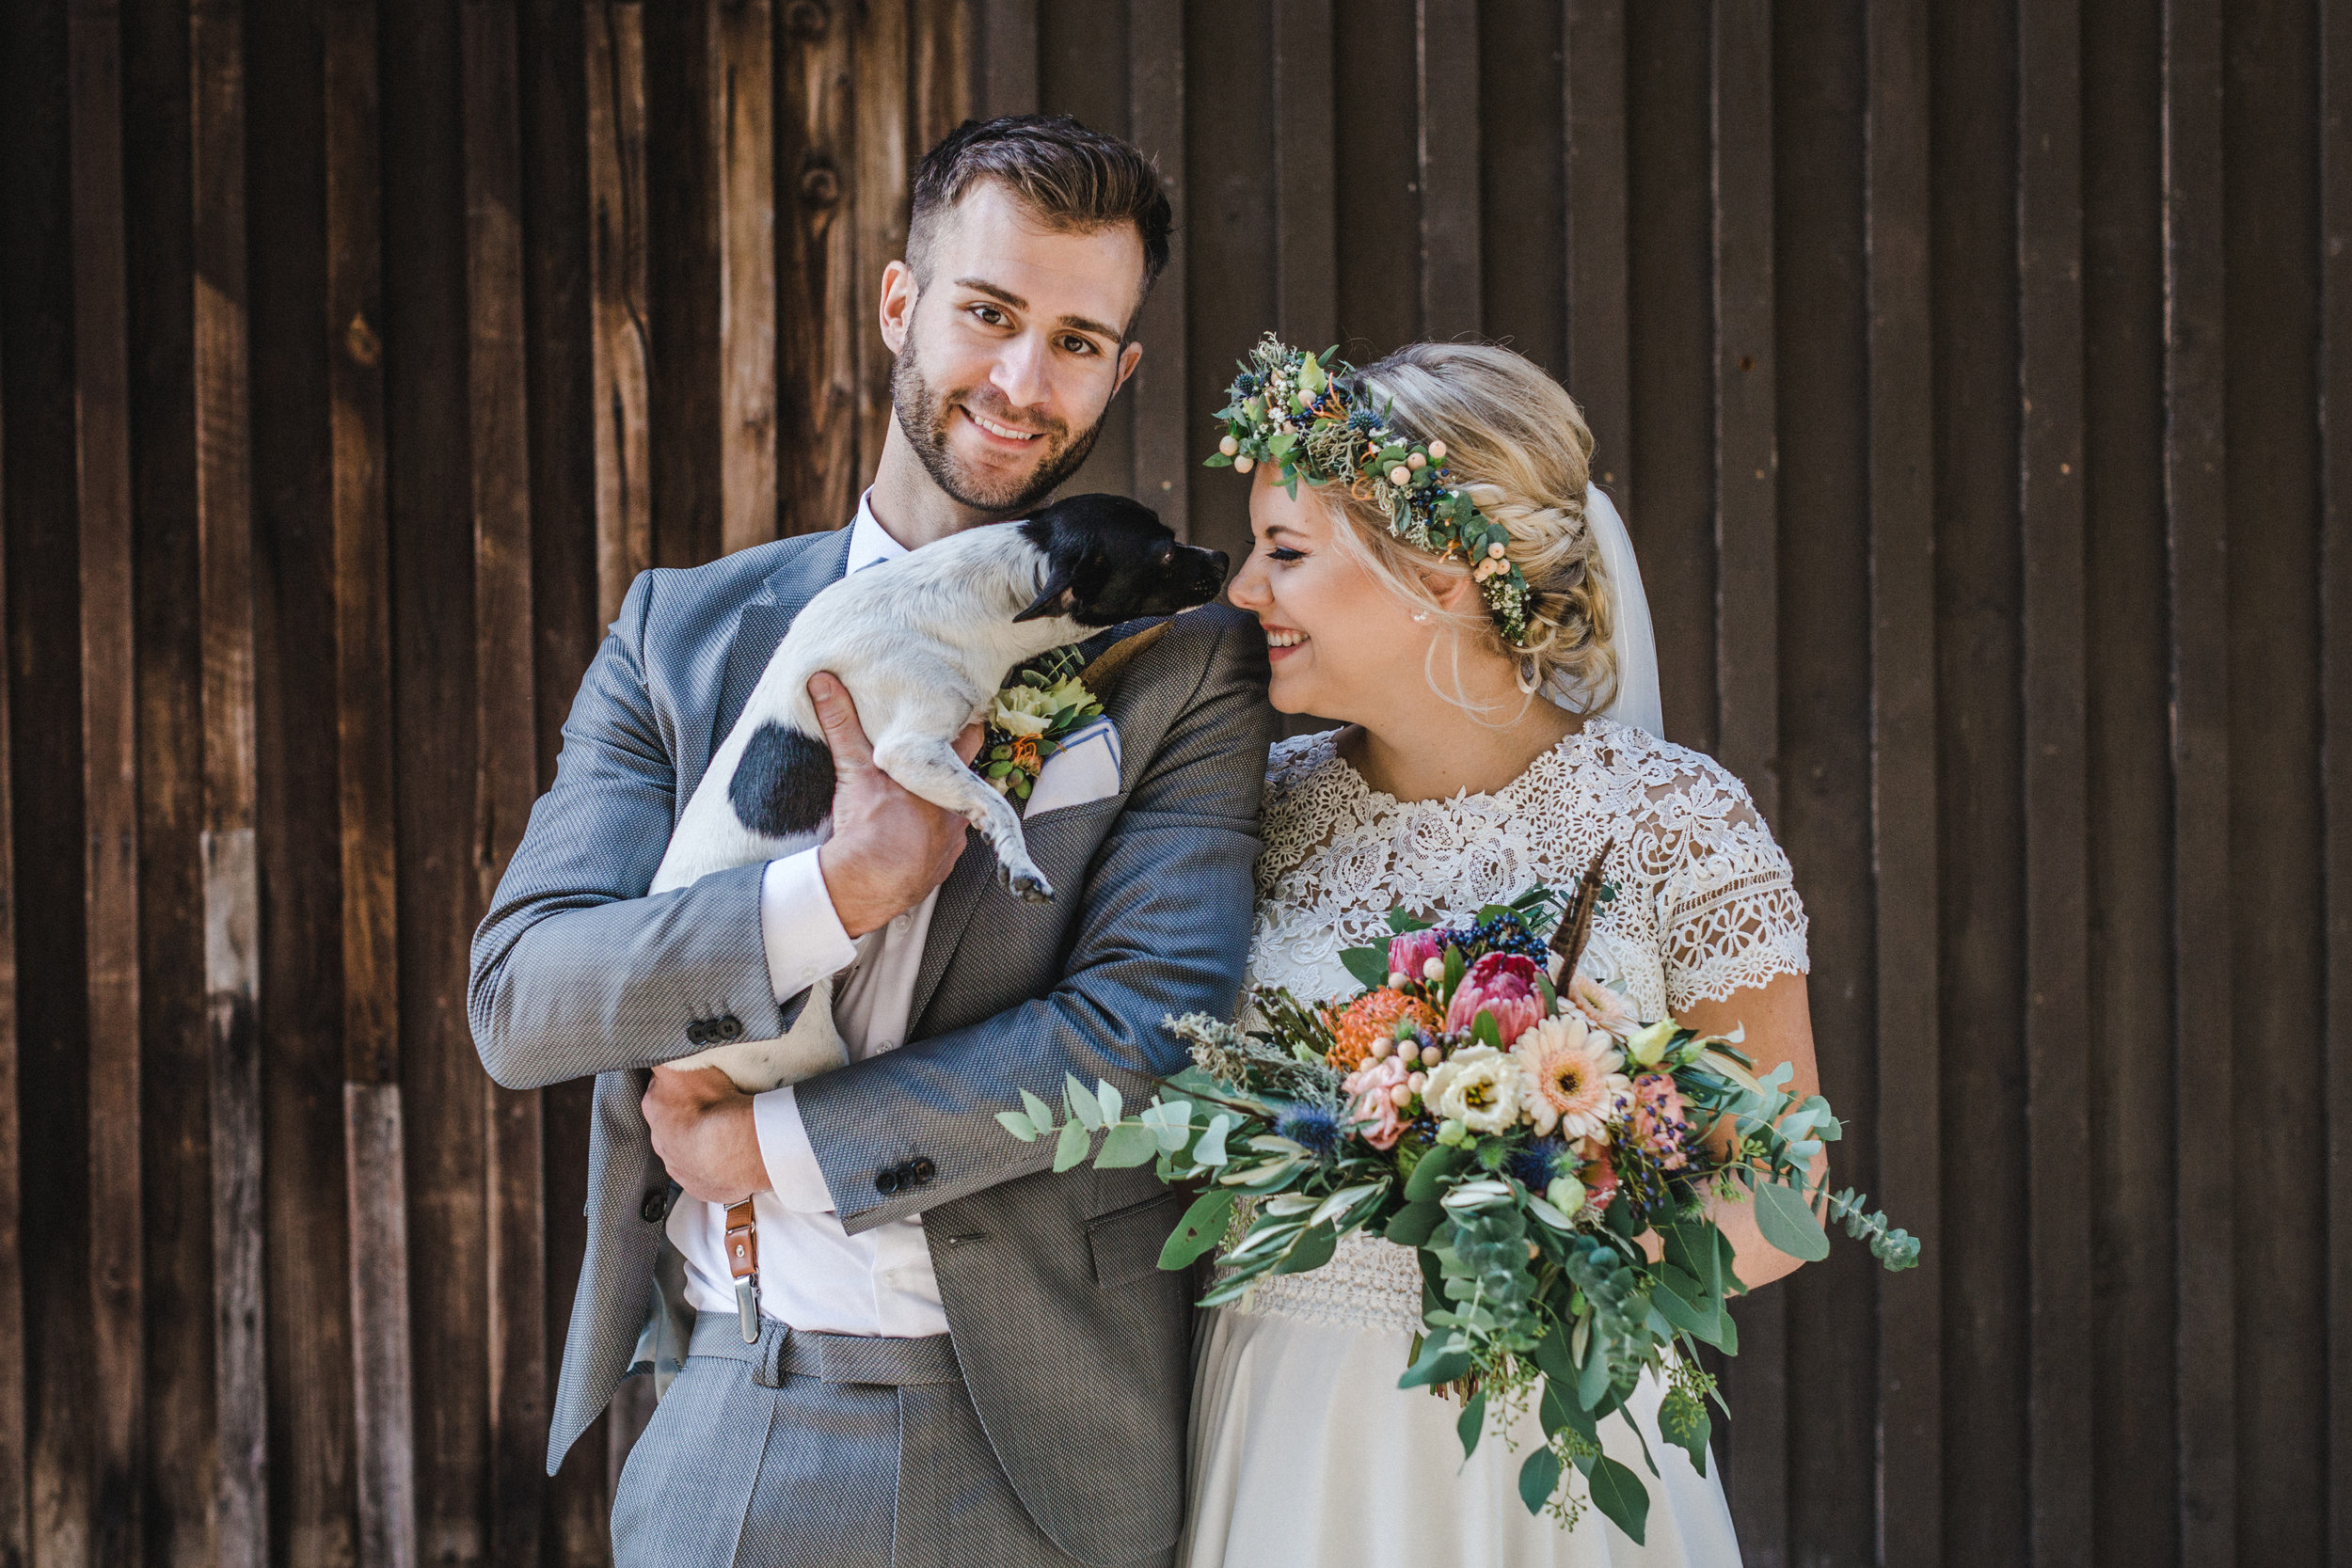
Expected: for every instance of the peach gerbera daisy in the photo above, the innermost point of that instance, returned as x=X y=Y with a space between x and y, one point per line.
x=1573 y=1082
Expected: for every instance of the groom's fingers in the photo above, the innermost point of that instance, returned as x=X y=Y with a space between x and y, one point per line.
x=968 y=743
x=837 y=713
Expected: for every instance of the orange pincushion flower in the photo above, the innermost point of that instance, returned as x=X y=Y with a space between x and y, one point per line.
x=1371 y=1016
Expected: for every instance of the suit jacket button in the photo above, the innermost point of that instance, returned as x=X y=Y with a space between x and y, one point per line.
x=698 y=1033
x=886 y=1183
x=730 y=1028
x=657 y=1204
x=923 y=1169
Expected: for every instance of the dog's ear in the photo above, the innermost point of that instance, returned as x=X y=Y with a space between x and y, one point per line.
x=1060 y=596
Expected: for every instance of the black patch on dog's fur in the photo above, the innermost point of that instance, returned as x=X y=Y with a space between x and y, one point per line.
x=784 y=785
x=1110 y=560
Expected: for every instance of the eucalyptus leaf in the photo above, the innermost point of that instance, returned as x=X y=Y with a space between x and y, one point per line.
x=1129 y=1143
x=1114 y=1103
x=1041 y=1114
x=1370 y=965
x=1781 y=1214
x=1311 y=1250
x=1472 y=1422
x=1442 y=1360
x=1082 y=1102
x=1621 y=1496
x=1202 y=1228
x=1538 y=1479
x=1019 y=1125
x=1210 y=1150
x=1072 y=1151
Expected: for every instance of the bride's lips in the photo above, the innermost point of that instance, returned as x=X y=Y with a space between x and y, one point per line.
x=1282 y=641
x=997 y=433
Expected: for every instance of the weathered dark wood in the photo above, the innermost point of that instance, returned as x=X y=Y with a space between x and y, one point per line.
x=2196 y=497
x=939 y=83
x=744 y=129
x=812 y=283
x=506 y=763
x=1306 y=203
x=1083 y=55
x=1004 y=66
x=616 y=259
x=878 y=197
x=1599 y=366
x=1747 y=655
x=232 y=863
x=2335 y=432
x=376 y=1182
x=1446 y=79
x=1903 y=774
x=109 y=777
x=1522 y=196
x=15 y=1470
x=2050 y=388
x=1157 y=393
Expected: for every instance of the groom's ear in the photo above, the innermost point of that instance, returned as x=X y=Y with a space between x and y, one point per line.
x=896 y=309
x=1129 y=358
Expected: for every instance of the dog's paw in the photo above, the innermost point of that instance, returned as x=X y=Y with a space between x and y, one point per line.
x=1027 y=883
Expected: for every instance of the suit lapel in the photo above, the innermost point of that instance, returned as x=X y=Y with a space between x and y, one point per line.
x=762 y=623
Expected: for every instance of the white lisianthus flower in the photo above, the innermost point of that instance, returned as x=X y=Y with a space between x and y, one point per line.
x=1023 y=711
x=1478 y=1087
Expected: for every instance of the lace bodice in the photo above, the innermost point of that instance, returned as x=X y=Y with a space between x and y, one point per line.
x=1705 y=905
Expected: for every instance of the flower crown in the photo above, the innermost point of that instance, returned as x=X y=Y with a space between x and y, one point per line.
x=1310 y=415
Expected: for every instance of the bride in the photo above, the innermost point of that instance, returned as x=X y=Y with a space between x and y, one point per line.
x=1494 y=741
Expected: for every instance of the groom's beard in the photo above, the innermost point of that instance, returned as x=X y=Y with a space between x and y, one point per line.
x=924 y=416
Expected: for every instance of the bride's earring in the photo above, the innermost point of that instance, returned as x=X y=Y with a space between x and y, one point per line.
x=1420 y=615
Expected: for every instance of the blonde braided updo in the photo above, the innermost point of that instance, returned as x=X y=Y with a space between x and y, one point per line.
x=1518 y=444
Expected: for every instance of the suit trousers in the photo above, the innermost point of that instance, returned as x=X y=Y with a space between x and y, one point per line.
x=819 y=1450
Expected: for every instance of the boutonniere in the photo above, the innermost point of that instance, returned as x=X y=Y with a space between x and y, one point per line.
x=1038 y=707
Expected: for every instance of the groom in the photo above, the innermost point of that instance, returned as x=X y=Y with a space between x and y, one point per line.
x=958 y=1356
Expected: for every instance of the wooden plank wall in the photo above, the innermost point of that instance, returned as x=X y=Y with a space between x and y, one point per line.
x=1954 y=367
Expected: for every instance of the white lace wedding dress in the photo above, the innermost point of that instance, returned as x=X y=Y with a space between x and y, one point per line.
x=1304 y=1451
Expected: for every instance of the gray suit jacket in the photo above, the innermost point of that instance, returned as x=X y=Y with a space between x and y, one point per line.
x=1075 y=1346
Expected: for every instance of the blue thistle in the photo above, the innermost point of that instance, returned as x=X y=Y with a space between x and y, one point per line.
x=1310 y=1126
x=1533 y=1166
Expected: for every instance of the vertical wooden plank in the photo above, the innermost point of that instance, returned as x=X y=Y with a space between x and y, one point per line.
x=2335 y=430
x=15 y=1450
x=616 y=270
x=376 y=1179
x=232 y=866
x=812 y=267
x=1446 y=61
x=109 y=767
x=1005 y=65
x=743 y=148
x=506 y=763
x=1747 y=619
x=880 y=194
x=2196 y=499
x=1165 y=436
x=1903 y=777
x=939 y=76
x=1601 y=370
x=2060 y=1429
x=1306 y=279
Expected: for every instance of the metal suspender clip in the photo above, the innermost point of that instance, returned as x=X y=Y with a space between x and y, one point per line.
x=743 y=1262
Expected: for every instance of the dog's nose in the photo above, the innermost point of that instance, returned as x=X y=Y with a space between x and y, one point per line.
x=1220 y=561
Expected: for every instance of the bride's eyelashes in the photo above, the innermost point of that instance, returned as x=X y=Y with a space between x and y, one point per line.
x=1284 y=553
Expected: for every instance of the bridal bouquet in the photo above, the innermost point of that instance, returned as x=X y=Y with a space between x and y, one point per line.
x=1526 y=1140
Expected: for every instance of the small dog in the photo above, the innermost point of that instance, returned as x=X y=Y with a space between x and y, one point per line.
x=922 y=643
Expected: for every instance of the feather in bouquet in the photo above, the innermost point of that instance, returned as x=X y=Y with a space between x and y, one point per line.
x=1523 y=1140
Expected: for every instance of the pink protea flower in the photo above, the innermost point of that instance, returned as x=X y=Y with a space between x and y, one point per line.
x=1572 y=1082
x=1502 y=983
x=1660 y=1123
x=1373 y=1105
x=1410 y=954
x=1602 y=1008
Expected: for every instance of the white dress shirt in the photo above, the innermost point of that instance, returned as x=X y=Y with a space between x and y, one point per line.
x=814 y=1275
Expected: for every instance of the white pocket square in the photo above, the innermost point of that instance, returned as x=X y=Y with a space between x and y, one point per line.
x=1085 y=769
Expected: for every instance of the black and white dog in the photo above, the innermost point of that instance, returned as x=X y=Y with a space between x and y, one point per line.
x=922 y=643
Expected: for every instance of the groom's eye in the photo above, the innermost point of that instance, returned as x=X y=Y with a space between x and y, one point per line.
x=1074 y=344
x=988 y=315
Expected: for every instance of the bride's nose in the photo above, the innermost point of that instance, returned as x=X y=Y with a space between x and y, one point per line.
x=1248 y=591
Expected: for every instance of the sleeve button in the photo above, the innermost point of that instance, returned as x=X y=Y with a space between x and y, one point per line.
x=922 y=1169
x=698 y=1033
x=886 y=1183
x=730 y=1028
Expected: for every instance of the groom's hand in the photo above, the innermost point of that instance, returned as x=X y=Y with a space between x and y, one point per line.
x=889 y=847
x=702 y=1131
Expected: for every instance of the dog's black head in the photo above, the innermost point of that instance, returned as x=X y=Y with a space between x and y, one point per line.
x=1110 y=560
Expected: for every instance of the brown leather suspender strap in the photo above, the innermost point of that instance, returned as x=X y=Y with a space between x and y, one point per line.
x=743 y=1264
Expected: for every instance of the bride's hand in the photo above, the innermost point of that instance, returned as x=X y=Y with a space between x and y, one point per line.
x=1778 y=1022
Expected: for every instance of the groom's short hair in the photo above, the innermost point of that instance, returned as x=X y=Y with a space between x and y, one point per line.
x=1073 y=180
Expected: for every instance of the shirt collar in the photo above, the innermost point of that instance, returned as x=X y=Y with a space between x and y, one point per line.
x=869 y=543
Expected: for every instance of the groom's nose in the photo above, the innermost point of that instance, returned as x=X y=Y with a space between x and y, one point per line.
x=1020 y=372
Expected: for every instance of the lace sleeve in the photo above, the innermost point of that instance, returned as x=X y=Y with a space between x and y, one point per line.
x=1729 y=916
